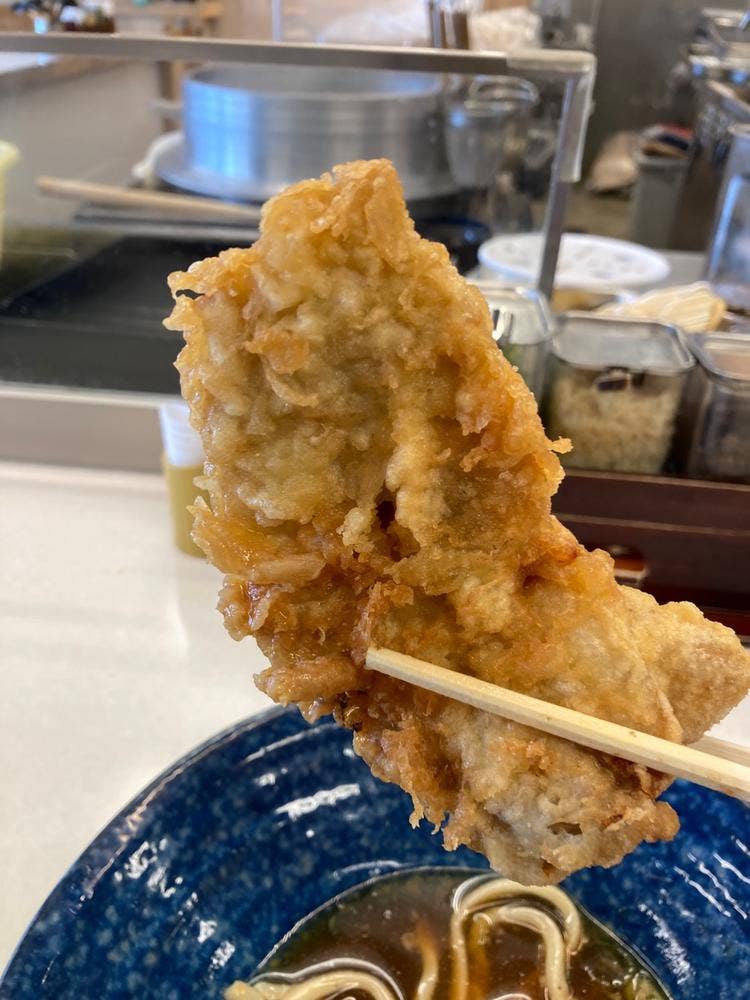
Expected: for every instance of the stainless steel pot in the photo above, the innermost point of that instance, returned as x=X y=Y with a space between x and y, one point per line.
x=251 y=130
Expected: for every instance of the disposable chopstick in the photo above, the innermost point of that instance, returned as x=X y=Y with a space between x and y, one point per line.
x=730 y=776
x=165 y=201
x=723 y=748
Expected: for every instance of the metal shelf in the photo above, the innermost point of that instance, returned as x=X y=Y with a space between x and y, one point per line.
x=573 y=70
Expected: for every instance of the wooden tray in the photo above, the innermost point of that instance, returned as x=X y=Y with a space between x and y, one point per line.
x=679 y=539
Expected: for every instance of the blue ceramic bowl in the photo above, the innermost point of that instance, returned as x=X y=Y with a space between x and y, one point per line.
x=193 y=883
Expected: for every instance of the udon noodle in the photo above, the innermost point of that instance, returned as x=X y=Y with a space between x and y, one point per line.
x=478 y=899
x=317 y=983
x=487 y=914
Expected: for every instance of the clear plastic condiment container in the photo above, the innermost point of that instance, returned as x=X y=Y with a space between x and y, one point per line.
x=182 y=461
x=728 y=257
x=716 y=412
x=614 y=389
x=8 y=156
x=522 y=327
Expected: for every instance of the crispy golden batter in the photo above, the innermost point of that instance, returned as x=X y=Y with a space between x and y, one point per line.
x=379 y=475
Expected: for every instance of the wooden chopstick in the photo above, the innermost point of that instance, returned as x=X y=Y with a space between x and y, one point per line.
x=730 y=774
x=175 y=204
x=723 y=749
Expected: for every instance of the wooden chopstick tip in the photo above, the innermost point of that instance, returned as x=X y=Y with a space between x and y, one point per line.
x=729 y=774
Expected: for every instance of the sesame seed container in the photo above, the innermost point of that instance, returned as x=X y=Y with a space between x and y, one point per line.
x=614 y=389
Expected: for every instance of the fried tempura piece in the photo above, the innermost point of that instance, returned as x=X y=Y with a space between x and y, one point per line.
x=379 y=476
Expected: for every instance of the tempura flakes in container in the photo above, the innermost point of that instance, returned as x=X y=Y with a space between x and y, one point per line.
x=522 y=327
x=614 y=389
x=716 y=410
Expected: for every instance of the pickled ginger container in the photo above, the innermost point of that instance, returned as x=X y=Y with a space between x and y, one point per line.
x=717 y=408
x=614 y=389
x=522 y=327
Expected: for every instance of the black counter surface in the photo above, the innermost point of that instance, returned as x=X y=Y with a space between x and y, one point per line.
x=97 y=323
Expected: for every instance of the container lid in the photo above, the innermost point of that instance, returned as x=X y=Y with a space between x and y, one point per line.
x=597 y=343
x=726 y=355
x=531 y=319
x=667 y=163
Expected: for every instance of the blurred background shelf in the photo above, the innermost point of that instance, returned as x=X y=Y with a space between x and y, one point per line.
x=678 y=539
x=200 y=16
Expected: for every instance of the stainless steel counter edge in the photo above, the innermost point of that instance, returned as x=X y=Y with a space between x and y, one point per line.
x=86 y=427
x=568 y=64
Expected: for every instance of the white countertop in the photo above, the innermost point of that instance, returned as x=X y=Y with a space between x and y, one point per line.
x=113 y=664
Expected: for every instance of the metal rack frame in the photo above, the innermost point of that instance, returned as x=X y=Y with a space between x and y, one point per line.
x=574 y=70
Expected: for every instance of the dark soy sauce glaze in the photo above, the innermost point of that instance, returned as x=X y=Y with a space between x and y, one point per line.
x=375 y=922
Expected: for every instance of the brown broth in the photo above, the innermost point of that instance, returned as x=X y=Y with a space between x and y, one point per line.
x=381 y=921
